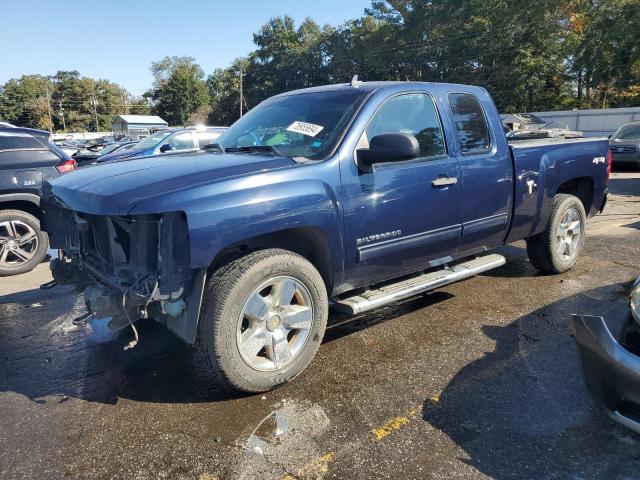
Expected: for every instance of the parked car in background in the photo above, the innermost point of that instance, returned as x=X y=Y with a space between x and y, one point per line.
x=624 y=144
x=88 y=156
x=25 y=162
x=132 y=138
x=41 y=135
x=71 y=147
x=353 y=196
x=610 y=366
x=171 y=140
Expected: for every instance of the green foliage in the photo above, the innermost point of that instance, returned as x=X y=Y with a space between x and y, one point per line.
x=529 y=54
x=179 y=90
x=42 y=102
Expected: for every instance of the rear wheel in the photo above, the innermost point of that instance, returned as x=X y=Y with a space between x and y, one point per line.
x=22 y=244
x=262 y=320
x=557 y=248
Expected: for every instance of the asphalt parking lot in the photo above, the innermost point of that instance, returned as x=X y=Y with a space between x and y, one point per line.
x=477 y=380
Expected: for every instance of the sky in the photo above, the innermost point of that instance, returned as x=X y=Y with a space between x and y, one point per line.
x=117 y=40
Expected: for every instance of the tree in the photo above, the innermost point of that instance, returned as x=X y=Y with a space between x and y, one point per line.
x=179 y=89
x=25 y=101
x=607 y=51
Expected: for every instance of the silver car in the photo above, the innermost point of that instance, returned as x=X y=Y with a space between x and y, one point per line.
x=624 y=145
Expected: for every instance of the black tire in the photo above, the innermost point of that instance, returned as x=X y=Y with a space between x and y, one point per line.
x=542 y=249
x=12 y=265
x=226 y=293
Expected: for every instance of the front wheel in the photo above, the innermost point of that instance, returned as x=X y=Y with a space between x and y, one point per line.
x=556 y=249
x=262 y=320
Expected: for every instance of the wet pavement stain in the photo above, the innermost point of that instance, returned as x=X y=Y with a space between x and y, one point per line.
x=489 y=362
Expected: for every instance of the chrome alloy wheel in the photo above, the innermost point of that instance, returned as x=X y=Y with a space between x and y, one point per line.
x=568 y=234
x=275 y=323
x=18 y=243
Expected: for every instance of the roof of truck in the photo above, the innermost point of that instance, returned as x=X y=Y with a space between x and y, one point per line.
x=370 y=86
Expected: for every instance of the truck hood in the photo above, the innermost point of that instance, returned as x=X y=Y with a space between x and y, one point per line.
x=116 y=188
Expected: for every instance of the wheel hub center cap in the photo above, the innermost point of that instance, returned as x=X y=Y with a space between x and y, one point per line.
x=273 y=323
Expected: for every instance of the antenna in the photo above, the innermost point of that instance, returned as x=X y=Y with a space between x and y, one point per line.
x=354 y=81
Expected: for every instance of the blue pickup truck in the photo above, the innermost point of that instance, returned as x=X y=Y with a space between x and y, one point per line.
x=347 y=196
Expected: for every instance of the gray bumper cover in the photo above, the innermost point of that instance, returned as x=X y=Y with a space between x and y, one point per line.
x=611 y=372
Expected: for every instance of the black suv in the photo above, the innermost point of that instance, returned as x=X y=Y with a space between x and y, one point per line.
x=27 y=158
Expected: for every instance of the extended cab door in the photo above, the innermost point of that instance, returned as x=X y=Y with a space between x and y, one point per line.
x=401 y=217
x=487 y=170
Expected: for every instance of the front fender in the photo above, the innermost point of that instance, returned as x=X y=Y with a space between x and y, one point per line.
x=225 y=213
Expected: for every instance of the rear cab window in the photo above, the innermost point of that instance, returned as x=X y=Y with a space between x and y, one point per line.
x=471 y=123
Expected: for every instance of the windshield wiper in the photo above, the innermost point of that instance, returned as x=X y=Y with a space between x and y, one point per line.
x=255 y=149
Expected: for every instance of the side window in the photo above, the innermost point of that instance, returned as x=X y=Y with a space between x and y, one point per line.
x=413 y=113
x=207 y=138
x=471 y=124
x=181 y=141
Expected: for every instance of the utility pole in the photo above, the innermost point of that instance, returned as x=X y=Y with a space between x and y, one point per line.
x=49 y=110
x=64 y=127
x=94 y=102
x=125 y=103
x=241 y=93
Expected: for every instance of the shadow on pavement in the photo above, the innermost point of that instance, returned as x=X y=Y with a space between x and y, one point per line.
x=522 y=411
x=46 y=355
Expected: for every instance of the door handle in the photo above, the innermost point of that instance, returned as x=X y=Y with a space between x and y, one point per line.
x=444 y=181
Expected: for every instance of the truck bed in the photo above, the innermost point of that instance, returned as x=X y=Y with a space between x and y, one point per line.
x=542 y=166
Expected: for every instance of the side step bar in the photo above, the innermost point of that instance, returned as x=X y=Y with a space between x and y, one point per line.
x=427 y=281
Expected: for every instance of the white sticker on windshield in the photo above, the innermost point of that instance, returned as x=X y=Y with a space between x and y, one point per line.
x=308 y=129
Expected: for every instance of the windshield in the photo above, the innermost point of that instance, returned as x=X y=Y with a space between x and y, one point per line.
x=628 y=131
x=306 y=125
x=153 y=140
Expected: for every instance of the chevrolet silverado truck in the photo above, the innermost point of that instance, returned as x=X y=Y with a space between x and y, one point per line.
x=347 y=196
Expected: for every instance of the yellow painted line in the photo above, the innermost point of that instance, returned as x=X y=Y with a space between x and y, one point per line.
x=395 y=424
x=316 y=468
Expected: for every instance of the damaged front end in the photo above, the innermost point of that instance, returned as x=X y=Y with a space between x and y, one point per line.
x=129 y=267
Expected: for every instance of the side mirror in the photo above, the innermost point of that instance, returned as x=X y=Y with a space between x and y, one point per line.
x=389 y=147
x=609 y=137
x=166 y=147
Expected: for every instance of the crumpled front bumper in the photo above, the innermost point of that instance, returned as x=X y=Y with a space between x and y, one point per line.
x=611 y=372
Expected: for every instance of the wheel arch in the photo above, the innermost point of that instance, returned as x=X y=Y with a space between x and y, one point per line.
x=581 y=187
x=308 y=241
x=26 y=202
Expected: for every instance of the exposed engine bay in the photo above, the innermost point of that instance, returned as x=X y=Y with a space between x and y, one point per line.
x=129 y=267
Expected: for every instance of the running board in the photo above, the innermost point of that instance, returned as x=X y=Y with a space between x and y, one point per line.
x=408 y=288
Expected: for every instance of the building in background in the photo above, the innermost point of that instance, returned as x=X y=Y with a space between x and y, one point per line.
x=137 y=124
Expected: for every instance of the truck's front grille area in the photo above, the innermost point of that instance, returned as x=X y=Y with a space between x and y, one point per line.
x=129 y=252
x=96 y=246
